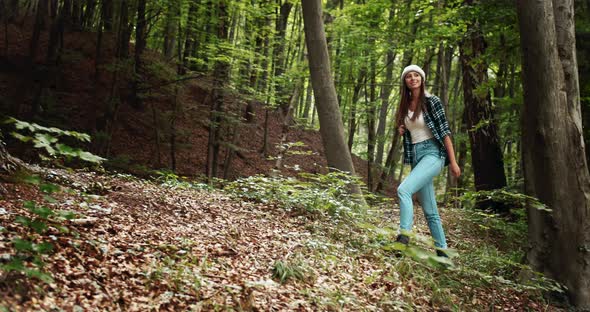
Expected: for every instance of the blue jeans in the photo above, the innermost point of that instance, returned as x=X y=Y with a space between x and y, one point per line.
x=428 y=162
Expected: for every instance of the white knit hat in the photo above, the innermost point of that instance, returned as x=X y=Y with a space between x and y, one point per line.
x=415 y=68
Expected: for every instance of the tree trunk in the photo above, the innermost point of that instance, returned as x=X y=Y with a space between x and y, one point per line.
x=40 y=23
x=156 y=135
x=171 y=29
x=191 y=28
x=97 y=58
x=555 y=167
x=88 y=14
x=124 y=32
x=371 y=122
x=107 y=14
x=331 y=127
x=385 y=93
x=583 y=53
x=77 y=15
x=278 y=54
x=486 y=154
x=352 y=120
x=140 y=44
x=390 y=162
x=221 y=75
x=55 y=44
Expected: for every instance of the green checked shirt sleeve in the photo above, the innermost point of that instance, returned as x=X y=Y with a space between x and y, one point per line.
x=436 y=120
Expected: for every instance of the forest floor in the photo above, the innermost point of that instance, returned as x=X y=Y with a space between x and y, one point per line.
x=139 y=245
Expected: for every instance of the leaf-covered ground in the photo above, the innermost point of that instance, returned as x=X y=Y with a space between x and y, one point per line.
x=136 y=245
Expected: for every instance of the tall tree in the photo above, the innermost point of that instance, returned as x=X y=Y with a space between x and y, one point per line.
x=278 y=53
x=331 y=127
x=191 y=28
x=40 y=23
x=486 y=154
x=555 y=167
x=171 y=28
x=386 y=89
x=221 y=76
x=140 y=44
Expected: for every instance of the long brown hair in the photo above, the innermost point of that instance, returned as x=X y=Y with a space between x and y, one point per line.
x=404 y=104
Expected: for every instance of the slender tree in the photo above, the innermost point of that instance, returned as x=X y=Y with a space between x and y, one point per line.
x=140 y=44
x=486 y=154
x=40 y=23
x=331 y=127
x=221 y=76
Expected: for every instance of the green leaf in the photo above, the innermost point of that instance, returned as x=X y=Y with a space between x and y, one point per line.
x=22 y=220
x=33 y=179
x=45 y=140
x=43 y=212
x=15 y=264
x=68 y=215
x=61 y=228
x=22 y=138
x=22 y=244
x=65 y=150
x=39 y=226
x=50 y=199
x=90 y=157
x=43 y=247
x=39 y=275
x=540 y=206
x=49 y=188
x=29 y=204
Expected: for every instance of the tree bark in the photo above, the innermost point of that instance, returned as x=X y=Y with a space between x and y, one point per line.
x=191 y=27
x=40 y=23
x=88 y=14
x=77 y=15
x=221 y=75
x=107 y=14
x=390 y=162
x=555 y=167
x=371 y=122
x=331 y=127
x=171 y=29
x=486 y=154
x=140 y=44
x=352 y=120
x=385 y=93
x=278 y=54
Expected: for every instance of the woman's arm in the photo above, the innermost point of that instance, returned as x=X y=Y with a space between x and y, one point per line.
x=455 y=170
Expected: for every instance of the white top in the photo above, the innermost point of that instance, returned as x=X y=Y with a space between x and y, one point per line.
x=419 y=131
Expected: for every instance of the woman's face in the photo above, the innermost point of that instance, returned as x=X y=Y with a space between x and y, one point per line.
x=413 y=80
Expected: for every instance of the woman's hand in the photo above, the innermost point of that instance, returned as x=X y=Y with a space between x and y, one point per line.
x=401 y=130
x=455 y=170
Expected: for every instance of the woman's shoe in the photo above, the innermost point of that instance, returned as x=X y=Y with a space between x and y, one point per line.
x=403 y=239
x=441 y=253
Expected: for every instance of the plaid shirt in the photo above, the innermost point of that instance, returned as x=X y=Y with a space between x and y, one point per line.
x=435 y=119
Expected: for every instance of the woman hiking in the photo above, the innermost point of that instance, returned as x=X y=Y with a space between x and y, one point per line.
x=421 y=121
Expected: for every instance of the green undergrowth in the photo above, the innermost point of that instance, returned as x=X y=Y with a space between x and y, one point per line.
x=316 y=195
x=487 y=253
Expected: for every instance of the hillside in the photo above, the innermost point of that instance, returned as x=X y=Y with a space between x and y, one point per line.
x=72 y=98
x=138 y=245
